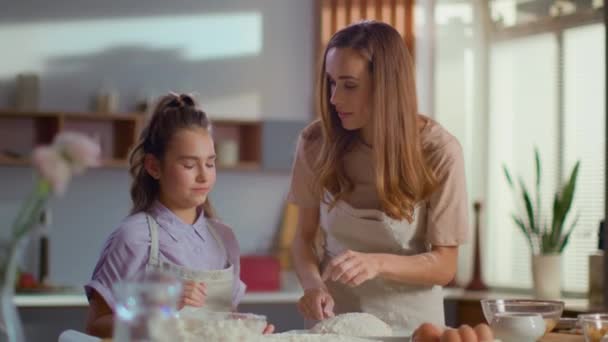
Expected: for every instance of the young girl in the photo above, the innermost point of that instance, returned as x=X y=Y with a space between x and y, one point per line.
x=172 y=225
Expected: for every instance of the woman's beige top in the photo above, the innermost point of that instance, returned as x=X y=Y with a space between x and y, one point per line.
x=446 y=223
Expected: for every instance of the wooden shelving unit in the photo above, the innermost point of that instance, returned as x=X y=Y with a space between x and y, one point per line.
x=247 y=135
x=20 y=132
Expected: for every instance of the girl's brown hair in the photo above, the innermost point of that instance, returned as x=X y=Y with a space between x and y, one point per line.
x=403 y=174
x=172 y=113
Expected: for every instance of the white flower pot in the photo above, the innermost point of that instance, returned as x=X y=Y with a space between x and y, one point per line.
x=547 y=274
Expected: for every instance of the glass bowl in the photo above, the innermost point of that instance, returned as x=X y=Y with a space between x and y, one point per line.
x=550 y=310
x=595 y=326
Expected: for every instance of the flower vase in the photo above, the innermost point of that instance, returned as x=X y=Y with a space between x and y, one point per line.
x=11 y=329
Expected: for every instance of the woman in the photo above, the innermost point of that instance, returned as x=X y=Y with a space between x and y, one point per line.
x=383 y=184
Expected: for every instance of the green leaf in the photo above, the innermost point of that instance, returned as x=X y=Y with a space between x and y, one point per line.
x=566 y=238
x=545 y=245
x=538 y=168
x=555 y=218
x=538 y=181
x=524 y=230
x=529 y=208
x=508 y=176
x=564 y=203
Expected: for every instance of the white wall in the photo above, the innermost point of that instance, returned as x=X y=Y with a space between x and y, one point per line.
x=244 y=58
x=75 y=46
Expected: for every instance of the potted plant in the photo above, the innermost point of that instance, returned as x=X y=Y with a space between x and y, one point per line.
x=547 y=235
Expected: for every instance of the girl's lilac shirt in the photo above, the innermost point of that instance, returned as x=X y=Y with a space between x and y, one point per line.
x=127 y=250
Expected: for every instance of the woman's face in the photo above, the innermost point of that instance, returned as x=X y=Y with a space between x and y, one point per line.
x=349 y=79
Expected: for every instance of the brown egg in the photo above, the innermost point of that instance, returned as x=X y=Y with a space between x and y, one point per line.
x=484 y=333
x=467 y=334
x=427 y=333
x=451 y=335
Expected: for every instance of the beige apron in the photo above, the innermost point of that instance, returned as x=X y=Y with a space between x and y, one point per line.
x=219 y=282
x=371 y=231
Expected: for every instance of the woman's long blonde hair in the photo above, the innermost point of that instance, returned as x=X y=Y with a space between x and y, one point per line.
x=403 y=174
x=172 y=113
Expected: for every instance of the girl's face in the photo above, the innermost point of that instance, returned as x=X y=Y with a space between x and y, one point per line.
x=187 y=173
x=349 y=79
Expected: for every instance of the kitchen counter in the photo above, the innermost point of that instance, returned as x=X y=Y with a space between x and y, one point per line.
x=291 y=295
x=574 y=305
x=79 y=299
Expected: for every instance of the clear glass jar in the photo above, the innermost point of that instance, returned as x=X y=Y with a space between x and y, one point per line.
x=146 y=308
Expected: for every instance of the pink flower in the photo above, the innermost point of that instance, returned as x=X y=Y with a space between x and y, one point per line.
x=81 y=151
x=53 y=168
x=70 y=153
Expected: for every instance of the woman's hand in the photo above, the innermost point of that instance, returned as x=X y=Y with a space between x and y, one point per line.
x=352 y=268
x=316 y=304
x=430 y=333
x=193 y=294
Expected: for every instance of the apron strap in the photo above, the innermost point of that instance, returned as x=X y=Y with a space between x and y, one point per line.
x=153 y=227
x=217 y=238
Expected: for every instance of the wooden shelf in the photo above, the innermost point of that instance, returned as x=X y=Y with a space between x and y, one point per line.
x=244 y=166
x=25 y=162
x=92 y=116
x=22 y=131
x=248 y=138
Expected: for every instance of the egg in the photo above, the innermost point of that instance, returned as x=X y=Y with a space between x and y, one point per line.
x=451 y=335
x=467 y=333
x=484 y=333
x=427 y=333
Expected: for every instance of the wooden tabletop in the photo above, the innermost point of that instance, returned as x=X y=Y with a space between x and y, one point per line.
x=548 y=338
x=563 y=338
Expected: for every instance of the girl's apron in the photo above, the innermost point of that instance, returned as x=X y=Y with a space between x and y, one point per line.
x=219 y=282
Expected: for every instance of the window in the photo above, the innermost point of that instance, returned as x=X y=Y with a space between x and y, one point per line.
x=545 y=88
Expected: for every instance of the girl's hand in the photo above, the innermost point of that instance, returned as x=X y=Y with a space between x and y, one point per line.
x=352 y=268
x=193 y=294
x=269 y=329
x=316 y=304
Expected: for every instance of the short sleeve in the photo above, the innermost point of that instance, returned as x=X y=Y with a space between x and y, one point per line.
x=124 y=255
x=447 y=215
x=301 y=191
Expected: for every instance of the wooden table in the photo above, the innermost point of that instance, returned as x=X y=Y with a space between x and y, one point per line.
x=548 y=338
x=562 y=338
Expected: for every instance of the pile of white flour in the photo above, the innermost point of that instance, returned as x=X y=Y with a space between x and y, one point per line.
x=216 y=330
x=349 y=327
x=287 y=337
x=359 y=324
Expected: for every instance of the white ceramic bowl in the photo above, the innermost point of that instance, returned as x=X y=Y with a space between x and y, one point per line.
x=518 y=327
